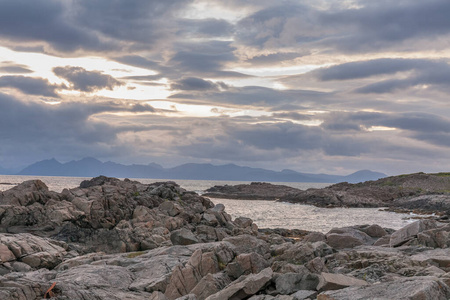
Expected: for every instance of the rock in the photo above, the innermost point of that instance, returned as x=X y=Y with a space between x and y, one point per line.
x=292 y=282
x=301 y=253
x=185 y=278
x=288 y=283
x=383 y=241
x=304 y=294
x=436 y=238
x=342 y=241
x=188 y=297
x=430 y=203
x=315 y=237
x=316 y=265
x=437 y=257
x=183 y=237
x=34 y=251
x=380 y=193
x=245 y=264
x=210 y=284
x=247 y=243
x=241 y=289
x=410 y=231
x=329 y=281
x=158 y=296
x=341 y=238
x=426 y=288
x=253 y=191
x=374 y=230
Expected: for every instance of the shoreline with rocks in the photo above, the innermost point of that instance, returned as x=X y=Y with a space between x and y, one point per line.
x=121 y=239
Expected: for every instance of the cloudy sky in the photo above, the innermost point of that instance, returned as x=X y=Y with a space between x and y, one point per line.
x=329 y=86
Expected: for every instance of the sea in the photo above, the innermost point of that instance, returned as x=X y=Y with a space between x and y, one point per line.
x=265 y=213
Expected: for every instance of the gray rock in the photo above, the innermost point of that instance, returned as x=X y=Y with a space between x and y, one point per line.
x=288 y=283
x=347 y=237
x=300 y=253
x=188 y=297
x=241 y=289
x=185 y=278
x=210 y=284
x=245 y=264
x=374 y=230
x=183 y=237
x=424 y=288
x=304 y=294
x=248 y=243
x=157 y=296
x=410 y=231
x=329 y=281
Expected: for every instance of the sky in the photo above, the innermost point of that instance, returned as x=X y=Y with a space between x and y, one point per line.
x=310 y=85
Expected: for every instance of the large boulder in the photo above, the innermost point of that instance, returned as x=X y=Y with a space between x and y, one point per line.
x=410 y=231
x=347 y=237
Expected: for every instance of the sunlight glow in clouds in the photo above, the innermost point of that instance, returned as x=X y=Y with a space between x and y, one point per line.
x=316 y=86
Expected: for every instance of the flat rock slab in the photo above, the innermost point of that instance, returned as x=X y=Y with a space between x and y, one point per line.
x=438 y=257
x=423 y=288
x=330 y=281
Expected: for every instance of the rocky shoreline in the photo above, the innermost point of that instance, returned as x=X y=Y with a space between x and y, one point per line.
x=421 y=192
x=114 y=239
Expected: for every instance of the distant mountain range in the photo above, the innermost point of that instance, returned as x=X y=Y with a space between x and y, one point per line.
x=91 y=167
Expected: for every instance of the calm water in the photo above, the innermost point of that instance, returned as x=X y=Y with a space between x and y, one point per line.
x=267 y=214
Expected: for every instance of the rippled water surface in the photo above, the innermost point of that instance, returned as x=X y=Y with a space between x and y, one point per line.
x=266 y=214
x=270 y=214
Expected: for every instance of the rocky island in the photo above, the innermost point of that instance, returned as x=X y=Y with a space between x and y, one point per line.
x=120 y=239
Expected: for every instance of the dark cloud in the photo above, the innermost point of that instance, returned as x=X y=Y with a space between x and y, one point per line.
x=259 y=96
x=46 y=21
x=293 y=116
x=141 y=21
x=196 y=84
x=204 y=58
x=86 y=81
x=274 y=58
x=205 y=28
x=36 y=130
x=284 y=24
x=364 y=69
x=30 y=85
x=424 y=127
x=419 y=72
x=381 y=24
x=12 y=68
x=138 y=61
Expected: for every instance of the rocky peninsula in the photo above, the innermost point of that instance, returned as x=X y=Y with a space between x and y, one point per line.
x=420 y=191
x=114 y=239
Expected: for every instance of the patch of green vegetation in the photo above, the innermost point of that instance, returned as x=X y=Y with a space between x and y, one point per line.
x=222 y=266
x=442 y=174
x=388 y=183
x=135 y=254
x=135 y=194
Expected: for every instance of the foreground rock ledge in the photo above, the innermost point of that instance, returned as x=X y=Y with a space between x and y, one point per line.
x=113 y=239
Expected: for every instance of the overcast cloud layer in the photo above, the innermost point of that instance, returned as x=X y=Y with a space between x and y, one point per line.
x=315 y=86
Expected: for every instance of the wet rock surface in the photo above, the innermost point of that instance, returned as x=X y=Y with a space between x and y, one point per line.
x=120 y=239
